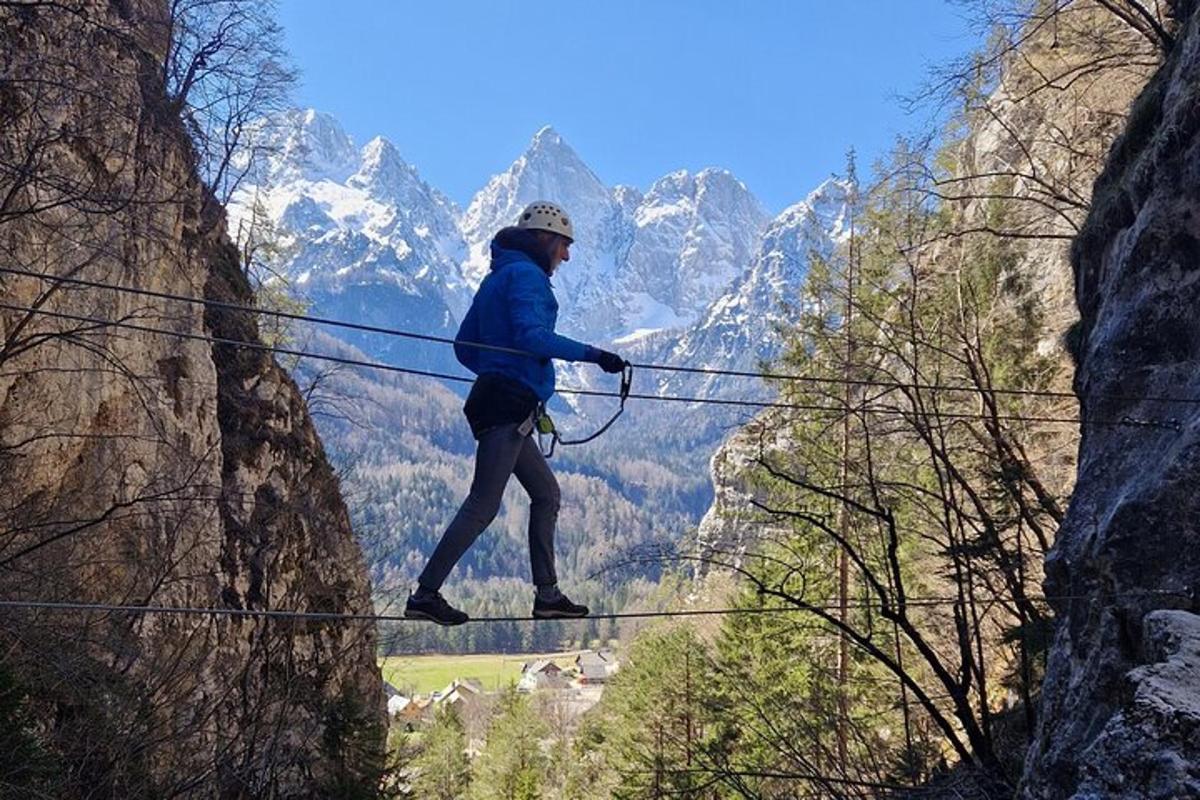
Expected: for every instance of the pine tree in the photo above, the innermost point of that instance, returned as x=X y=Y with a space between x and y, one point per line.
x=660 y=716
x=512 y=765
x=442 y=769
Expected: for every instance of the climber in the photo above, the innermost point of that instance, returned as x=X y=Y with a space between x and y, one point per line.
x=514 y=308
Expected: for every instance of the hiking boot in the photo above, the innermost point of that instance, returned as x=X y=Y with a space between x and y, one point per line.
x=433 y=608
x=560 y=608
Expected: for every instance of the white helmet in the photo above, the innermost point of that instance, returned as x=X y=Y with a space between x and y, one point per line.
x=543 y=216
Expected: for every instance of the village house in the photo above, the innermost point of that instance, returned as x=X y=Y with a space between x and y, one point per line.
x=415 y=714
x=541 y=674
x=596 y=667
x=396 y=701
x=460 y=691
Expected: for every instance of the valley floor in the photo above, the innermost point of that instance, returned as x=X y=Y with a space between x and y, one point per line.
x=424 y=674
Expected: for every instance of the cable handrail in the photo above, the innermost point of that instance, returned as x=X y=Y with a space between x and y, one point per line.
x=742 y=403
x=714 y=371
x=799 y=606
x=835 y=780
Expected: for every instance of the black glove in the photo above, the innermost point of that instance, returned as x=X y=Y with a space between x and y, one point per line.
x=609 y=362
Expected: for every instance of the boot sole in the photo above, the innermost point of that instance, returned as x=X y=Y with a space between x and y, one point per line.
x=431 y=618
x=558 y=615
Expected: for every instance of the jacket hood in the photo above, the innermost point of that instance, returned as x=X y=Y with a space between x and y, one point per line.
x=517 y=244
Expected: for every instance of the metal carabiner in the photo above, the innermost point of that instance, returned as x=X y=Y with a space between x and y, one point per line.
x=626 y=387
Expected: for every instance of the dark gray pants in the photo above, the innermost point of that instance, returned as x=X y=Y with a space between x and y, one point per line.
x=501 y=452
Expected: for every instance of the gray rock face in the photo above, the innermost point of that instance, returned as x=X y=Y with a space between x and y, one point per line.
x=148 y=469
x=692 y=236
x=1151 y=746
x=1119 y=703
x=738 y=329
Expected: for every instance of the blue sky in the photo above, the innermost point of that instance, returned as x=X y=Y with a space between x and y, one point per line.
x=774 y=90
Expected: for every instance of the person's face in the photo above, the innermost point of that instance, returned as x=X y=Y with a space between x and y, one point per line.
x=560 y=251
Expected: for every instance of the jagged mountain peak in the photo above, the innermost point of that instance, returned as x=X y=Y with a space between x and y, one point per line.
x=828 y=203
x=673 y=183
x=812 y=226
x=319 y=126
x=707 y=175
x=380 y=150
x=546 y=136
x=693 y=234
x=627 y=197
x=718 y=179
x=737 y=330
x=549 y=169
x=549 y=156
x=367 y=234
x=662 y=259
x=308 y=144
x=380 y=163
x=708 y=186
x=832 y=187
x=716 y=173
x=385 y=175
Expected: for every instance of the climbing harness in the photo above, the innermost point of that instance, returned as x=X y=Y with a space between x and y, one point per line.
x=545 y=425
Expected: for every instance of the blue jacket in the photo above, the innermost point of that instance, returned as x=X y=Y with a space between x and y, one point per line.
x=515 y=307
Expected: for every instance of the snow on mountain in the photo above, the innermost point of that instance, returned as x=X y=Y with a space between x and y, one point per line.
x=628 y=198
x=693 y=235
x=691 y=271
x=738 y=330
x=641 y=263
x=419 y=209
x=306 y=145
x=364 y=238
x=551 y=170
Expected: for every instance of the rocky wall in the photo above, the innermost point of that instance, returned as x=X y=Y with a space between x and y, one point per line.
x=144 y=468
x=1119 y=717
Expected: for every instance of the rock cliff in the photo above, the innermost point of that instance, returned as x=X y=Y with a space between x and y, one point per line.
x=143 y=468
x=1119 y=713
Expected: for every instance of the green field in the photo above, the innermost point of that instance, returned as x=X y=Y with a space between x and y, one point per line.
x=425 y=674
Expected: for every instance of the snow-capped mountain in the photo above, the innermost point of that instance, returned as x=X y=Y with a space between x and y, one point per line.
x=361 y=235
x=642 y=262
x=551 y=170
x=692 y=236
x=304 y=146
x=691 y=271
x=738 y=330
x=548 y=170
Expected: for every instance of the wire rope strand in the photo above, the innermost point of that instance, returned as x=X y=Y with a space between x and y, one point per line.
x=765 y=375
x=799 y=606
x=1171 y=424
